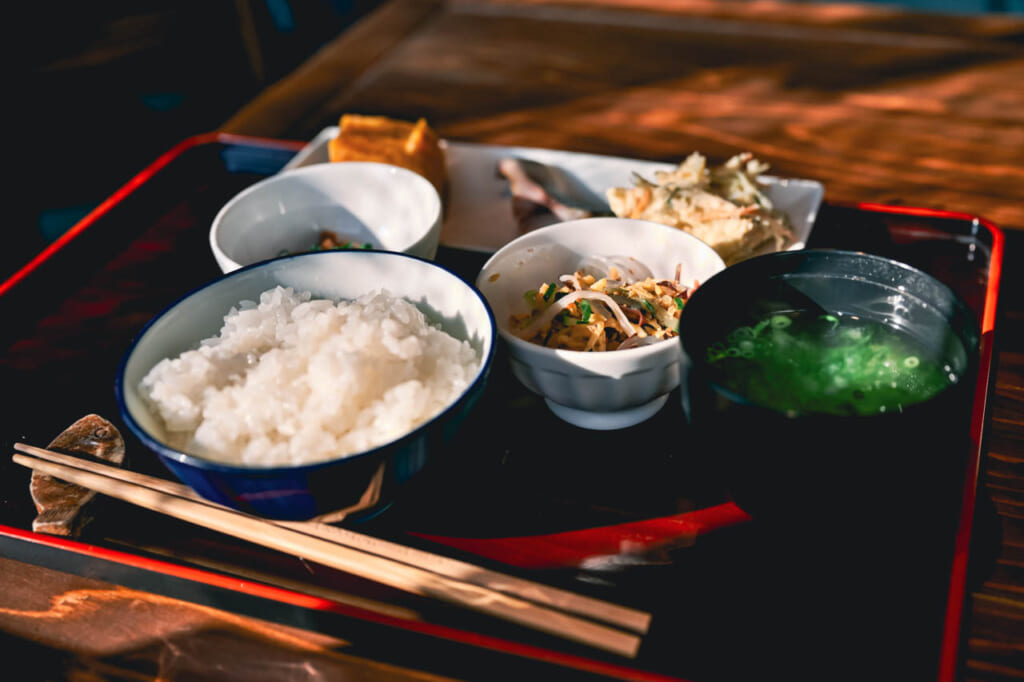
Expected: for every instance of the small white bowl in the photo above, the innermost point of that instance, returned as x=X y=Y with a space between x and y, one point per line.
x=391 y=208
x=593 y=390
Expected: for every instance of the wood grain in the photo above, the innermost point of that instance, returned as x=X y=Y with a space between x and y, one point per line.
x=72 y=635
x=995 y=627
x=871 y=103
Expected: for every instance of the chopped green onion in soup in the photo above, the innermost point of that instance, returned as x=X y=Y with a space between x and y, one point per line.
x=833 y=364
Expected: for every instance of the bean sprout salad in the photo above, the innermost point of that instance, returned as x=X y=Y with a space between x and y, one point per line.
x=607 y=303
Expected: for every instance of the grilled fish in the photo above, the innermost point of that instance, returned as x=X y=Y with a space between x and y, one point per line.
x=543 y=194
x=63 y=508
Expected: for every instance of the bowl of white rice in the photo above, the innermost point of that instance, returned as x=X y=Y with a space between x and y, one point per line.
x=310 y=384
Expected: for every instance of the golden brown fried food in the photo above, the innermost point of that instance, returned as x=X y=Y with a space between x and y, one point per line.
x=386 y=140
x=724 y=206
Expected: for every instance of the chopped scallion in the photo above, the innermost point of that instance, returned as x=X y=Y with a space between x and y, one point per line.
x=584 y=311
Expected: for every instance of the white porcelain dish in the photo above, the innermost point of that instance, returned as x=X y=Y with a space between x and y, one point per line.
x=593 y=390
x=479 y=208
x=390 y=208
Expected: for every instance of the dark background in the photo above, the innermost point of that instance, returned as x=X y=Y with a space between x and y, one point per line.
x=113 y=84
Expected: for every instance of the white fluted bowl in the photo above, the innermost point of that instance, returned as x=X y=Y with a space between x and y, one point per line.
x=593 y=390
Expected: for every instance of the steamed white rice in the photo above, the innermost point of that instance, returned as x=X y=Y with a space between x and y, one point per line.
x=292 y=380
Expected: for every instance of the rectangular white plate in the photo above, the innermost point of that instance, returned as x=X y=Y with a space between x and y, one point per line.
x=479 y=211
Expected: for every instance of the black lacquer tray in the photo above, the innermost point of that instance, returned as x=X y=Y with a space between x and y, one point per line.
x=632 y=516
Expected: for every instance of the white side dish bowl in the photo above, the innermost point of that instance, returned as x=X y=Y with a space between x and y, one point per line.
x=593 y=390
x=385 y=206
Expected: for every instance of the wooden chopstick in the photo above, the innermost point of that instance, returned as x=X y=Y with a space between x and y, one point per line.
x=623 y=617
x=627 y=618
x=362 y=564
x=369 y=566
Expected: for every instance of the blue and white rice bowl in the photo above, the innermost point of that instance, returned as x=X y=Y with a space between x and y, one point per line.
x=300 y=489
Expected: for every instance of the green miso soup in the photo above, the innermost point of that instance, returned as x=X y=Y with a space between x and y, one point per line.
x=832 y=364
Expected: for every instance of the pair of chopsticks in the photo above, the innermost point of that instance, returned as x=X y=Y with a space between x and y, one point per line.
x=565 y=614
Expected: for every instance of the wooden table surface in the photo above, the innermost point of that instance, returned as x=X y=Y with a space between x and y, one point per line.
x=879 y=105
